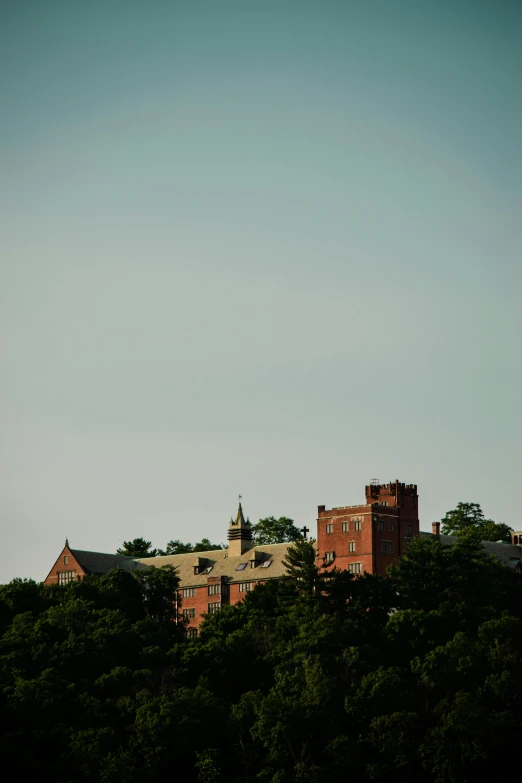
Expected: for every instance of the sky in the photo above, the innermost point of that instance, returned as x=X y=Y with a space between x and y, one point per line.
x=258 y=248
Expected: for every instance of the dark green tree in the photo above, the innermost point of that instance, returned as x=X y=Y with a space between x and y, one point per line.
x=275 y=531
x=206 y=546
x=301 y=567
x=469 y=517
x=138 y=547
x=176 y=547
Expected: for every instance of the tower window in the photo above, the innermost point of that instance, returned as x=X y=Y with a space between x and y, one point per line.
x=345 y=527
x=329 y=528
x=329 y=557
x=386 y=546
x=380 y=526
x=351 y=546
x=409 y=530
x=392 y=527
x=358 y=524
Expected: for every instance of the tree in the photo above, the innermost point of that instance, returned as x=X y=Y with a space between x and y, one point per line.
x=177 y=547
x=138 y=547
x=206 y=546
x=275 y=531
x=301 y=566
x=469 y=517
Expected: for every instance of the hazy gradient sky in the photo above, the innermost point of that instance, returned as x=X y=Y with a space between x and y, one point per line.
x=259 y=247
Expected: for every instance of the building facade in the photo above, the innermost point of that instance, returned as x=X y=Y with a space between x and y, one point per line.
x=362 y=538
x=371 y=536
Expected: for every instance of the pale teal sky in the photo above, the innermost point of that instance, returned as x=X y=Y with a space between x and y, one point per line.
x=259 y=247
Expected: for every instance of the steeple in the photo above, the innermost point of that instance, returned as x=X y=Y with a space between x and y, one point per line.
x=239 y=534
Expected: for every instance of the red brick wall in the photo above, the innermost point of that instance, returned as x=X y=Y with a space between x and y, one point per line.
x=232 y=595
x=388 y=505
x=60 y=565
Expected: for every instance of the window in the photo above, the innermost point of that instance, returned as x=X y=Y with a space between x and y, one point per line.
x=245 y=587
x=380 y=526
x=384 y=503
x=193 y=633
x=214 y=608
x=345 y=527
x=266 y=564
x=64 y=577
x=357 y=524
x=189 y=614
x=351 y=546
x=355 y=568
x=208 y=569
x=409 y=530
x=214 y=589
x=329 y=557
x=189 y=592
x=329 y=528
x=241 y=566
x=387 y=546
x=65 y=559
x=392 y=527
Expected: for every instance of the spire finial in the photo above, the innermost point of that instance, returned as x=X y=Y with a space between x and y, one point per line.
x=66 y=541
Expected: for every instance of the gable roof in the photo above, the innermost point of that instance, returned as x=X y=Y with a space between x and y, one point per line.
x=224 y=565
x=100 y=563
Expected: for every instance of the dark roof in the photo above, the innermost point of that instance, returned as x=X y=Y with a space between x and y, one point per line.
x=508 y=554
x=100 y=563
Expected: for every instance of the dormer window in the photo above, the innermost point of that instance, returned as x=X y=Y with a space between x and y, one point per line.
x=241 y=566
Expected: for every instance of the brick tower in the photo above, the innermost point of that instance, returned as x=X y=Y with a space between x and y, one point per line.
x=371 y=536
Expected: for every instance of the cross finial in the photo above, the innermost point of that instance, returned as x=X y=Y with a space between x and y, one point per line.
x=304 y=530
x=240 y=496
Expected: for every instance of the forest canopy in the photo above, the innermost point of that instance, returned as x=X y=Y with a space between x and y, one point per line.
x=310 y=679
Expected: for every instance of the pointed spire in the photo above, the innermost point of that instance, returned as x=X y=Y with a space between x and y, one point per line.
x=239 y=533
x=66 y=542
x=240 y=519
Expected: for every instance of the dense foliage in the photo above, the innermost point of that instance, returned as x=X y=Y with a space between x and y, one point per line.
x=275 y=531
x=178 y=547
x=469 y=518
x=138 y=547
x=310 y=679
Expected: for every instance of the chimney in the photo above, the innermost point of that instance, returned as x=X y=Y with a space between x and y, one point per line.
x=435 y=529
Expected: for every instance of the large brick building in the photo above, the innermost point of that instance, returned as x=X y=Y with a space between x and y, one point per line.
x=369 y=537
x=362 y=538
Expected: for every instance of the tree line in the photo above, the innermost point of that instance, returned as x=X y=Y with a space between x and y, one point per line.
x=314 y=678
x=267 y=531
x=466 y=517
